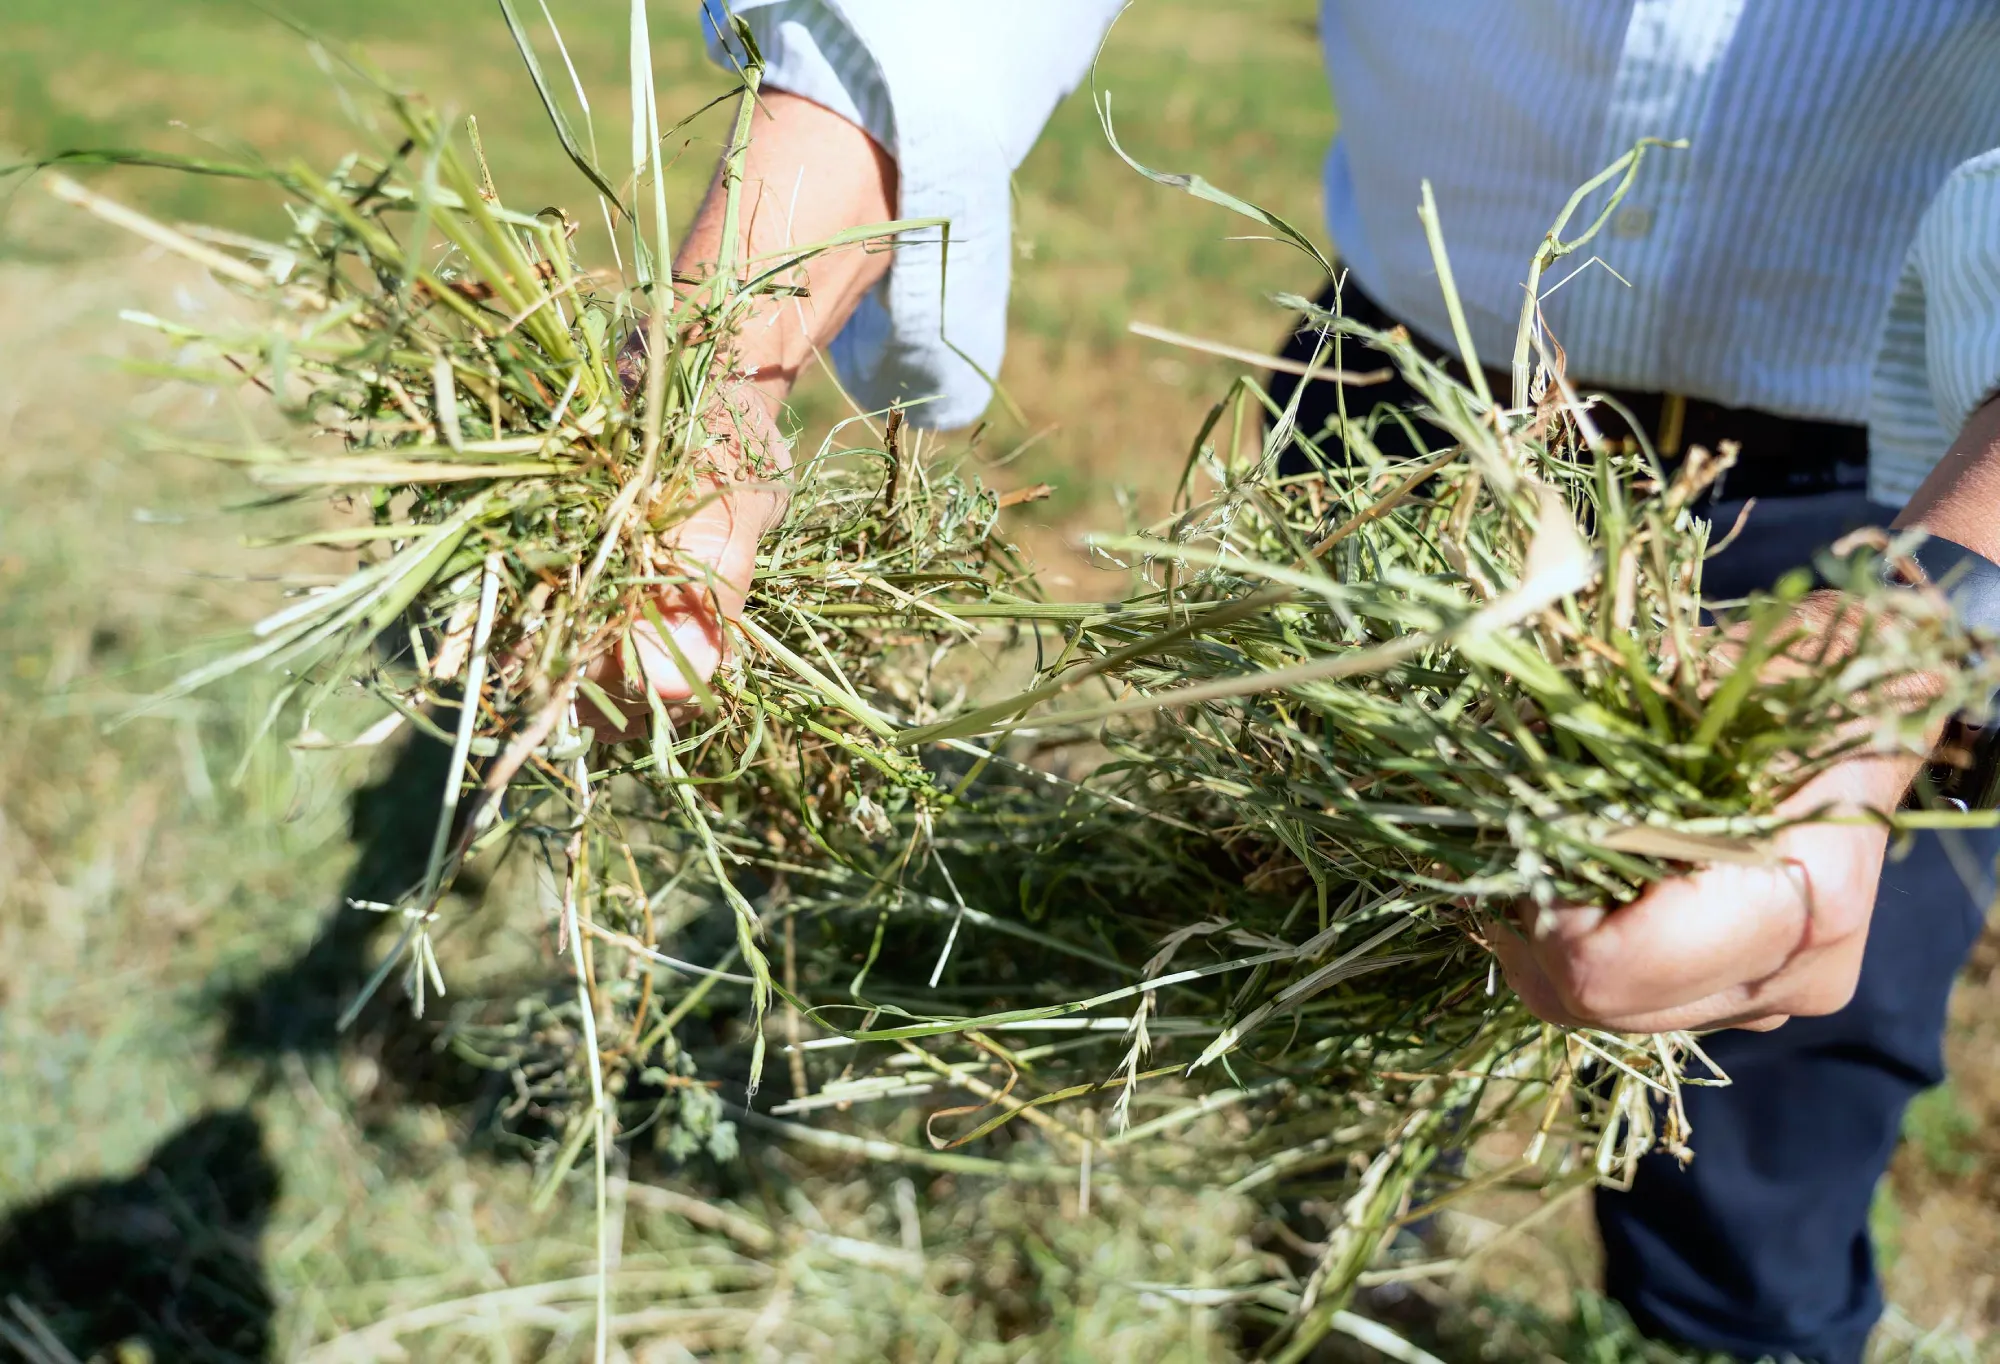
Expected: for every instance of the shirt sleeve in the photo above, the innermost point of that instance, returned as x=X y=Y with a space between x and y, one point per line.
x=809 y=50
x=958 y=90
x=1939 y=358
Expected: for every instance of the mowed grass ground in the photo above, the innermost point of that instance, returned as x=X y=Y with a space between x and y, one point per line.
x=182 y=1129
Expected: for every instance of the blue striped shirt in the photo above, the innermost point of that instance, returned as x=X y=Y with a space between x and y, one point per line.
x=1829 y=246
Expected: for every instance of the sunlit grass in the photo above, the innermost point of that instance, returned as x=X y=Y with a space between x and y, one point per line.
x=140 y=887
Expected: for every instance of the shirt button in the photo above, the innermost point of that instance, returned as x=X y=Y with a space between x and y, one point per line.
x=1632 y=222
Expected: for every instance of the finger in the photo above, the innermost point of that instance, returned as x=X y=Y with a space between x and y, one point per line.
x=1731 y=1010
x=1527 y=979
x=1768 y=1023
x=1736 y=1008
x=1817 y=981
x=697 y=637
x=1755 y=1008
x=716 y=543
x=1681 y=942
x=1727 y=926
x=716 y=549
x=1539 y=993
x=712 y=550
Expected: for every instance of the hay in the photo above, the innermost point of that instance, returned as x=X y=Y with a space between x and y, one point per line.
x=1350 y=714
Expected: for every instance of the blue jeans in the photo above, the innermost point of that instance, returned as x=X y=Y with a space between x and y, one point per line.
x=1759 y=1247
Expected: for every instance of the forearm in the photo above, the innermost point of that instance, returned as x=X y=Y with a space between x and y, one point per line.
x=1960 y=501
x=810 y=174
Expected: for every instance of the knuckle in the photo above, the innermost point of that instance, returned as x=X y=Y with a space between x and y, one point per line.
x=1828 y=993
x=1587 y=981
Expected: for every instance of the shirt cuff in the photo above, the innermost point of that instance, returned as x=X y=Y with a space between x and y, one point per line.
x=963 y=92
x=809 y=51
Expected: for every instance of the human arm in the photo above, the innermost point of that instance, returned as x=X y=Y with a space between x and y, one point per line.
x=955 y=95
x=810 y=174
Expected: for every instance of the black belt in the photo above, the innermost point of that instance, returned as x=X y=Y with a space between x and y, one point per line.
x=1781 y=456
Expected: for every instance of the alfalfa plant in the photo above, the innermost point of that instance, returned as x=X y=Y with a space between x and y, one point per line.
x=1354 y=715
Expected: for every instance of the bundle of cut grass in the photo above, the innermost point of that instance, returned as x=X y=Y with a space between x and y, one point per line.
x=522 y=433
x=1365 y=712
x=1353 y=712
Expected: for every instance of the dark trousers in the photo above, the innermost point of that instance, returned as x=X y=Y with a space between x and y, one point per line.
x=1759 y=1248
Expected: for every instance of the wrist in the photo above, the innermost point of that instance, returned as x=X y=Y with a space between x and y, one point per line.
x=1956 y=501
x=767 y=357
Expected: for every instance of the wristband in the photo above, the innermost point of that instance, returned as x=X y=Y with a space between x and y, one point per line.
x=1964 y=770
x=1970 y=581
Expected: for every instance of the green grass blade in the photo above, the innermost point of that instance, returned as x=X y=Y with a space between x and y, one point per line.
x=577 y=153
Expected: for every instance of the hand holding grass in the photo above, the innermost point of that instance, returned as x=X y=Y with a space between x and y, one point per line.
x=1749 y=946
x=1732 y=945
x=713 y=552
x=809 y=173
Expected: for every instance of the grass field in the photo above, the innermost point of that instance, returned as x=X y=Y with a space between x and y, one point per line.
x=187 y=1136
x=1242 y=90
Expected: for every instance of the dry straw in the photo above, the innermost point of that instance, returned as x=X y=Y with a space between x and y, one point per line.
x=1351 y=715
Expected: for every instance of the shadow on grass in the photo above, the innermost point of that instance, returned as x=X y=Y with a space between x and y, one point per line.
x=295 y=1009
x=163 y=1264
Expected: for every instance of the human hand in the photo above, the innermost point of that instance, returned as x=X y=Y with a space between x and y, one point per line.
x=809 y=175
x=742 y=491
x=1730 y=945
x=743 y=494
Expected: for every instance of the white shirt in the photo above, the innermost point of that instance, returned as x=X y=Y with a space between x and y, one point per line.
x=1829 y=247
